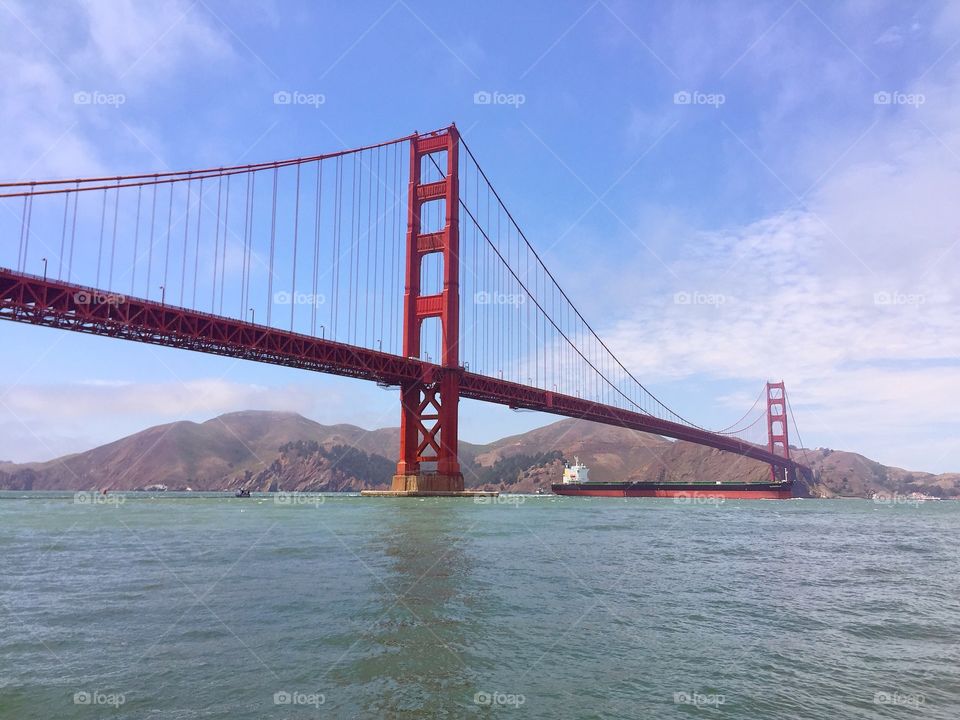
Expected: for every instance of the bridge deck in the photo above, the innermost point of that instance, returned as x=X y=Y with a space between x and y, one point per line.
x=39 y=301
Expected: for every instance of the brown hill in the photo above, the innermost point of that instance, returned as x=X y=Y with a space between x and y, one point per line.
x=272 y=450
x=204 y=456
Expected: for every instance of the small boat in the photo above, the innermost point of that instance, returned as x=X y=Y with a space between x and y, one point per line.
x=242 y=493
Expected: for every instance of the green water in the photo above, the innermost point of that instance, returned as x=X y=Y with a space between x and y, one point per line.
x=544 y=607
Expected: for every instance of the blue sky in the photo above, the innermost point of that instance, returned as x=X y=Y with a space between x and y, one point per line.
x=790 y=166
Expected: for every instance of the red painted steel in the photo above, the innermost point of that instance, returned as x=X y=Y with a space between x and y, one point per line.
x=32 y=299
x=777 y=423
x=430 y=392
x=428 y=416
x=762 y=492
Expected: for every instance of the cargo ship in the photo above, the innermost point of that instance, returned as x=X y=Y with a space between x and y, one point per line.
x=576 y=481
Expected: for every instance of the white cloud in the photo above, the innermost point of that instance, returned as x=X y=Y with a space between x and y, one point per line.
x=891 y=37
x=851 y=297
x=45 y=421
x=123 y=47
x=147 y=40
x=165 y=400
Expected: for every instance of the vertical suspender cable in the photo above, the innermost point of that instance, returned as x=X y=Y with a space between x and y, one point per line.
x=73 y=232
x=335 y=259
x=366 y=284
x=23 y=227
x=26 y=241
x=226 y=230
x=166 y=257
x=63 y=235
x=296 y=228
x=113 y=246
x=216 y=247
x=186 y=228
x=103 y=217
x=196 y=255
x=136 y=242
x=316 y=248
x=273 y=244
x=153 y=219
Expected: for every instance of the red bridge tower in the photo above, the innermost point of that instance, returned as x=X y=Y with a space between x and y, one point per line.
x=428 y=417
x=777 y=426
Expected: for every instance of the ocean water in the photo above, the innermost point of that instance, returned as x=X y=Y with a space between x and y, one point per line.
x=533 y=607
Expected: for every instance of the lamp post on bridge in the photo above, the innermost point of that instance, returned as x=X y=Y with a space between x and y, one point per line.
x=44 y=269
x=163 y=295
x=323 y=332
x=253 y=316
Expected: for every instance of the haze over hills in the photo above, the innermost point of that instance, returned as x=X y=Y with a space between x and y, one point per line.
x=275 y=450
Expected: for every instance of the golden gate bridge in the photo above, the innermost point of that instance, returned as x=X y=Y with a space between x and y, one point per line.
x=397 y=263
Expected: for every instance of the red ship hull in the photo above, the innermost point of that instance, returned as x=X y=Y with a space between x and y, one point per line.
x=732 y=491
